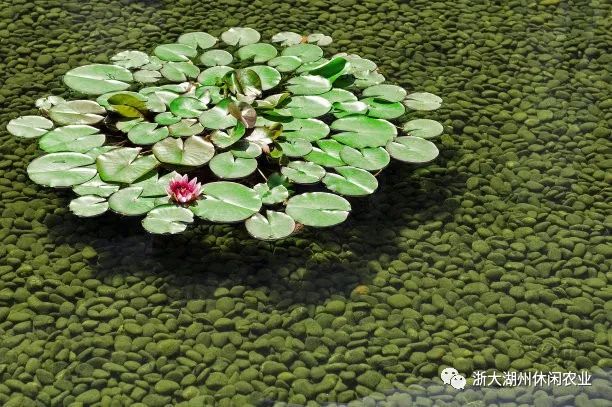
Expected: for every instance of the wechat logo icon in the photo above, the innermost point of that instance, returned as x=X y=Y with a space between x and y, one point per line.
x=451 y=376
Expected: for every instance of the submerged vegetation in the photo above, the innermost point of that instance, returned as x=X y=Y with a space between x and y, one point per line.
x=276 y=133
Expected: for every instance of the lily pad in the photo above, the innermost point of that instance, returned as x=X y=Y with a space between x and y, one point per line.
x=371 y=159
x=216 y=57
x=423 y=128
x=305 y=52
x=412 y=149
x=225 y=139
x=271 y=196
x=246 y=149
x=382 y=109
x=308 y=85
x=167 y=219
x=390 y=93
x=320 y=209
x=218 y=117
x=213 y=76
x=130 y=59
x=240 y=36
x=342 y=109
x=351 y=181
x=227 y=202
x=227 y=166
x=198 y=39
x=319 y=39
x=259 y=52
x=185 y=128
x=365 y=80
x=287 y=38
x=273 y=226
x=29 y=126
x=303 y=172
x=363 y=131
x=76 y=138
x=338 y=95
x=62 y=169
x=175 y=52
x=179 y=71
x=269 y=76
x=97 y=79
x=187 y=107
x=326 y=154
x=330 y=69
x=305 y=107
x=306 y=129
x=77 y=112
x=128 y=201
x=124 y=165
x=296 y=148
x=96 y=186
x=193 y=151
x=166 y=119
x=423 y=101
x=88 y=206
x=285 y=63
x=147 y=133
x=147 y=76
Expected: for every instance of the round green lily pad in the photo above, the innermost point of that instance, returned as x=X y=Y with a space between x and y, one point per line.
x=423 y=128
x=259 y=52
x=423 y=101
x=193 y=151
x=285 y=63
x=214 y=75
x=305 y=107
x=351 y=181
x=308 y=85
x=29 y=126
x=363 y=131
x=319 y=209
x=128 y=201
x=185 y=128
x=167 y=219
x=338 y=95
x=225 y=139
x=269 y=76
x=306 y=129
x=77 y=138
x=371 y=159
x=124 y=165
x=197 y=39
x=326 y=154
x=296 y=148
x=130 y=59
x=97 y=79
x=228 y=166
x=62 y=169
x=303 y=172
x=273 y=226
x=147 y=133
x=287 y=38
x=175 y=52
x=390 y=93
x=96 y=186
x=179 y=71
x=77 y=112
x=240 y=36
x=187 y=107
x=88 y=206
x=271 y=195
x=305 y=52
x=216 y=57
x=226 y=202
x=381 y=109
x=412 y=149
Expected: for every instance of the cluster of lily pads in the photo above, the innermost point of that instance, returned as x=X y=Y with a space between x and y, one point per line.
x=299 y=131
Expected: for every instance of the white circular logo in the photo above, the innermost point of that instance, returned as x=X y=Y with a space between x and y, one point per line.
x=451 y=376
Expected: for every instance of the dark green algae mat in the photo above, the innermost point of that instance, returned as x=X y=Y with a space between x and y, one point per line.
x=495 y=257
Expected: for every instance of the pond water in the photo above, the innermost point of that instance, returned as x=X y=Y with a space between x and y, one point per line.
x=494 y=257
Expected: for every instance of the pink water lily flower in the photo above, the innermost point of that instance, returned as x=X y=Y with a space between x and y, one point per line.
x=184 y=191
